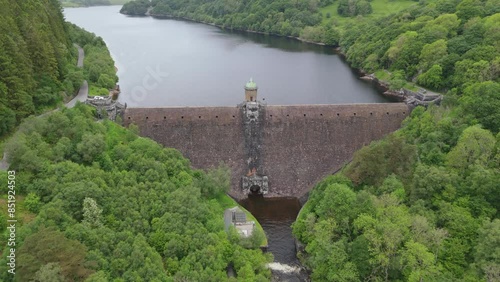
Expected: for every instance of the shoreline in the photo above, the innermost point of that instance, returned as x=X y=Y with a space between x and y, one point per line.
x=381 y=86
x=234 y=29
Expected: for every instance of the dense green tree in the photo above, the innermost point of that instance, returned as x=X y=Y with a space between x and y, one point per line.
x=481 y=100
x=432 y=78
x=91 y=213
x=91 y=147
x=468 y=9
x=349 y=8
x=51 y=246
x=488 y=250
x=32 y=202
x=367 y=169
x=475 y=146
x=35 y=52
x=432 y=53
x=49 y=272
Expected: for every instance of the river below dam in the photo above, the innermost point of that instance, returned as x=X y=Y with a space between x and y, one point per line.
x=165 y=63
x=276 y=216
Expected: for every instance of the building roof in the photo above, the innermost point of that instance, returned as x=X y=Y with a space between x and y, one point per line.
x=251 y=85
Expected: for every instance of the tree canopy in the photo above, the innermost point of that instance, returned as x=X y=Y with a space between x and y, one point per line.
x=112 y=205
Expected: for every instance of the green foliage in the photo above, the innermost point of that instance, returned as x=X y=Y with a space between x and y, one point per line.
x=215 y=182
x=254 y=241
x=91 y=213
x=433 y=78
x=475 y=146
x=351 y=8
x=275 y=17
x=49 y=253
x=120 y=204
x=49 y=272
x=488 y=250
x=367 y=168
x=421 y=217
x=137 y=7
x=35 y=52
x=32 y=202
x=91 y=147
x=397 y=80
x=98 y=66
x=481 y=101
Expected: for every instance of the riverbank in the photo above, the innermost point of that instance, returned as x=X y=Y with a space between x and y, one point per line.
x=231 y=29
x=409 y=93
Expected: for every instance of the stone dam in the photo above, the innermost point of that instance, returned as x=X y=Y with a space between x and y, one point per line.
x=278 y=151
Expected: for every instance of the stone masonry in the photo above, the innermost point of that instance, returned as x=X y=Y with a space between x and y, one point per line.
x=283 y=153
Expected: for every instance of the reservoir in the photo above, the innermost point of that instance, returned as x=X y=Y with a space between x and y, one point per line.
x=180 y=63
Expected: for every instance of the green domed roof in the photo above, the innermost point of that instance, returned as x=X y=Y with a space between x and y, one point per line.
x=251 y=84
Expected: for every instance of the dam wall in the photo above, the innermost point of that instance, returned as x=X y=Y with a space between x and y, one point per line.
x=288 y=148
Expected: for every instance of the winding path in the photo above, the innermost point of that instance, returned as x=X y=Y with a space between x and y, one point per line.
x=82 y=95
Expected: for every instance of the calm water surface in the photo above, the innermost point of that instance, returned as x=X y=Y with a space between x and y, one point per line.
x=181 y=63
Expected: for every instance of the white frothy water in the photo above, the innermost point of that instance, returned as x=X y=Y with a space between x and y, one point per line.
x=285 y=268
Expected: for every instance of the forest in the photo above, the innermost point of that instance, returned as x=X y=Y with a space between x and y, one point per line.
x=422 y=204
x=102 y=204
x=38 y=68
x=37 y=60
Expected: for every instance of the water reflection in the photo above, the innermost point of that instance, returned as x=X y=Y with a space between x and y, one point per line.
x=207 y=66
x=277 y=42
